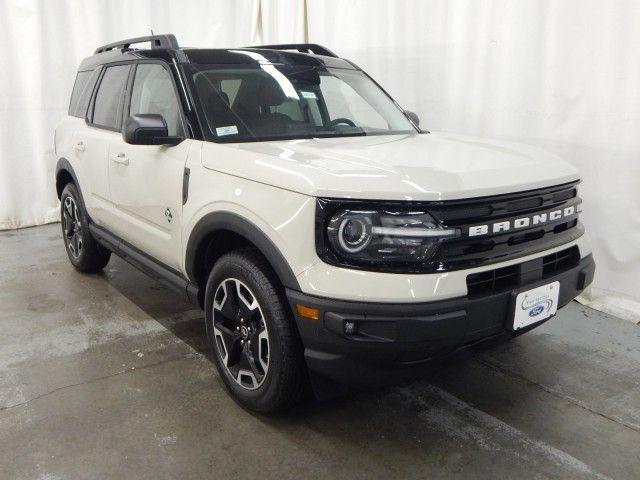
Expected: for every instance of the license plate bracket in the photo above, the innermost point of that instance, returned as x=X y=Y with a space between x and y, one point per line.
x=535 y=305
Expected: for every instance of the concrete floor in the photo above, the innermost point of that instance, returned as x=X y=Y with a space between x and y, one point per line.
x=108 y=376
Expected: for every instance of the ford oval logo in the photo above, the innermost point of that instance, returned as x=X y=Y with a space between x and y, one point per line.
x=537 y=310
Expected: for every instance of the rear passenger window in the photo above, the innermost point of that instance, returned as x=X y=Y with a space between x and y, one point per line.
x=153 y=93
x=106 y=110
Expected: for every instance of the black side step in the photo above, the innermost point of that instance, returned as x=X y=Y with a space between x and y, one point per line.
x=156 y=270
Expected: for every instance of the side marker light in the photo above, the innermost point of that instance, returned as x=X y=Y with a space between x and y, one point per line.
x=308 y=312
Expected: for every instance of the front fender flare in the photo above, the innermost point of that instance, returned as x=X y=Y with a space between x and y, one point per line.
x=232 y=222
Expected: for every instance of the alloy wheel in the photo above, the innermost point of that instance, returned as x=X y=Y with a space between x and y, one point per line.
x=72 y=226
x=240 y=333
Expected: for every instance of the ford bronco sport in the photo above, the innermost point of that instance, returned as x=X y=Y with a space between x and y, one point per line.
x=330 y=241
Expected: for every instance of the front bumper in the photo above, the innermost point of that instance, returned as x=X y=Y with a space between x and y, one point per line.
x=396 y=341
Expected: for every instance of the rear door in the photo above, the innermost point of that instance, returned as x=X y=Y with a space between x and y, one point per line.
x=69 y=143
x=91 y=142
x=146 y=181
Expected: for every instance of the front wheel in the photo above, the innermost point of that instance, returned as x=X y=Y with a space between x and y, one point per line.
x=255 y=343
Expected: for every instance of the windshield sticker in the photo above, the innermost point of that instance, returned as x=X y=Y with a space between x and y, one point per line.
x=309 y=95
x=230 y=130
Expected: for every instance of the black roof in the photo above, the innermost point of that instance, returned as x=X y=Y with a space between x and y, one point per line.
x=165 y=47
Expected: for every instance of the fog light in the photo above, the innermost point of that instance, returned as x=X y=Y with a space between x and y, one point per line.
x=349 y=327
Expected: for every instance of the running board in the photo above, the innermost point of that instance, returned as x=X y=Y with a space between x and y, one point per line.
x=156 y=270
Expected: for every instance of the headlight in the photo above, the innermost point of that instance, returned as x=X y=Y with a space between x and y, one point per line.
x=378 y=238
x=354 y=231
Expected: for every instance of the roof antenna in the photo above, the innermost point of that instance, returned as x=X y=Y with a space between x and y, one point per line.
x=151 y=31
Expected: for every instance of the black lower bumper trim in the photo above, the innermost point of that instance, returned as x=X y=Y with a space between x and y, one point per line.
x=393 y=341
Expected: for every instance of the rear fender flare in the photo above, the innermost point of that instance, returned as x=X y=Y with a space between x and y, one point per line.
x=64 y=165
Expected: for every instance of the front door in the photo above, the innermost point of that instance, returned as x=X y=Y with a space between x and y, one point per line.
x=146 y=180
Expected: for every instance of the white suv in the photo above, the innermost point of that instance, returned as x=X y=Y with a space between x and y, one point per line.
x=330 y=240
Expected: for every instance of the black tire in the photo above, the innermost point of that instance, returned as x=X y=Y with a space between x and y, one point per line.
x=84 y=253
x=284 y=382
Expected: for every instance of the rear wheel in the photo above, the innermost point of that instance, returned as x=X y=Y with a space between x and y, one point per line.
x=255 y=344
x=84 y=253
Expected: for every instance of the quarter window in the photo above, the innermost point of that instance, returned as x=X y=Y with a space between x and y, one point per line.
x=106 y=111
x=153 y=92
x=79 y=87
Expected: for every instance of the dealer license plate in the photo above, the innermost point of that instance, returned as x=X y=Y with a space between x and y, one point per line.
x=535 y=305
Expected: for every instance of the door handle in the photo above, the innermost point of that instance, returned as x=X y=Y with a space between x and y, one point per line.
x=79 y=147
x=120 y=158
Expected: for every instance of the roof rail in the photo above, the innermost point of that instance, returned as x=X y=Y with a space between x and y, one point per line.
x=301 y=47
x=157 y=41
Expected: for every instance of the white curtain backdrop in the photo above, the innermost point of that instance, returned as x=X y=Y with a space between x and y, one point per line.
x=562 y=74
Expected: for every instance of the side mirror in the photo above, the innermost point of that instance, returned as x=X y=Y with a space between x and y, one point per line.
x=147 y=129
x=413 y=117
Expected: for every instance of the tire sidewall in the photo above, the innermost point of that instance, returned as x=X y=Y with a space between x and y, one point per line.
x=273 y=316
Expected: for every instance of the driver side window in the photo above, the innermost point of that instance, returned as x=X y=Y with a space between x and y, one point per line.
x=153 y=92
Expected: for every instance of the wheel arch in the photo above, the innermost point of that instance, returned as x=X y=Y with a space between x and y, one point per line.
x=220 y=232
x=66 y=174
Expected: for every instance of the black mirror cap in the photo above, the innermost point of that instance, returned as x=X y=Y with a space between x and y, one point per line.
x=147 y=129
x=413 y=116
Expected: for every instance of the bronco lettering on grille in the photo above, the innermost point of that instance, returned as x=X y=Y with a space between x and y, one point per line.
x=524 y=222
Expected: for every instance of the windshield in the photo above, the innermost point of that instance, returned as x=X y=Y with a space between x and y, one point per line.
x=270 y=102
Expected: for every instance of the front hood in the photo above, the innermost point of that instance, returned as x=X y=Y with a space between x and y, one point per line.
x=435 y=166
